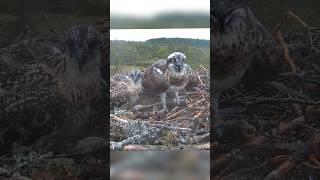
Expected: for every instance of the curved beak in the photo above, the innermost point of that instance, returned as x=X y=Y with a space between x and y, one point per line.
x=179 y=66
x=222 y=14
x=80 y=58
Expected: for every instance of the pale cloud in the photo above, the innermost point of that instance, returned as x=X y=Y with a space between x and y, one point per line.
x=153 y=7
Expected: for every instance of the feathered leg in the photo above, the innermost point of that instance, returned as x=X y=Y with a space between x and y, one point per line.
x=132 y=101
x=217 y=116
x=176 y=93
x=163 y=102
x=74 y=124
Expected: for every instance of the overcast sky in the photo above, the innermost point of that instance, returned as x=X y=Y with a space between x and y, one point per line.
x=153 y=7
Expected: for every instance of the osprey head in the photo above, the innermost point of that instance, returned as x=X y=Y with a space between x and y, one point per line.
x=226 y=13
x=136 y=76
x=176 y=61
x=82 y=45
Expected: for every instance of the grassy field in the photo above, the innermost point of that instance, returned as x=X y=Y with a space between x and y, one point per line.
x=40 y=16
x=127 y=54
x=270 y=12
x=63 y=21
x=59 y=21
x=40 y=25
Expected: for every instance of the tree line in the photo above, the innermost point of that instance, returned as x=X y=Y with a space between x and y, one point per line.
x=143 y=54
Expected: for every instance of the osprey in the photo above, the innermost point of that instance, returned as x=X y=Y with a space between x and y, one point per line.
x=28 y=52
x=52 y=90
x=167 y=76
x=238 y=39
x=125 y=88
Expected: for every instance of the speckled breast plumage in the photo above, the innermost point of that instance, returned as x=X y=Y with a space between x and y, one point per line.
x=178 y=78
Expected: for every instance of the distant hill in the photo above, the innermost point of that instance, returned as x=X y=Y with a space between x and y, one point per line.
x=168 y=20
x=180 y=41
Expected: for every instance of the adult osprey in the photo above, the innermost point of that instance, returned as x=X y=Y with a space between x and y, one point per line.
x=167 y=75
x=125 y=88
x=238 y=39
x=52 y=90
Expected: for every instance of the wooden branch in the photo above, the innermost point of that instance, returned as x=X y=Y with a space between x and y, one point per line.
x=199 y=114
x=172 y=111
x=282 y=128
x=264 y=100
x=311 y=166
x=282 y=169
x=286 y=53
x=138 y=147
x=139 y=108
x=197 y=102
x=176 y=114
x=163 y=126
x=278 y=34
x=302 y=22
x=118 y=119
x=200 y=79
x=313 y=158
x=290 y=14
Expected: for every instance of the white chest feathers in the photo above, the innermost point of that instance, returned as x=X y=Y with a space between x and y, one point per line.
x=158 y=70
x=174 y=88
x=177 y=80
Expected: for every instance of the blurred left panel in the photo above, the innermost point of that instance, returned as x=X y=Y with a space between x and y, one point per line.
x=53 y=91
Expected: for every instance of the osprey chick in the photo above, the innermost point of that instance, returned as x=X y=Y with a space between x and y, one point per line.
x=125 y=88
x=27 y=52
x=169 y=75
x=53 y=90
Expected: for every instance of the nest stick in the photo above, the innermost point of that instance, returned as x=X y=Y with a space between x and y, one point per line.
x=286 y=53
x=302 y=22
x=176 y=114
x=203 y=68
x=282 y=169
x=118 y=119
x=200 y=79
x=172 y=111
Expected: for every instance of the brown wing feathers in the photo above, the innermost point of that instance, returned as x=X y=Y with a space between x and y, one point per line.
x=154 y=81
